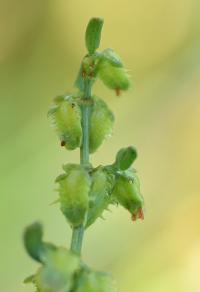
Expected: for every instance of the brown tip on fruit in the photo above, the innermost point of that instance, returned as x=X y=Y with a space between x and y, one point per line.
x=62 y=143
x=140 y=214
x=134 y=217
x=118 y=91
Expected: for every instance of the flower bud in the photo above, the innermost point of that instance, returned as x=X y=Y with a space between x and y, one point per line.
x=74 y=188
x=127 y=193
x=100 y=194
x=57 y=273
x=101 y=124
x=95 y=282
x=125 y=157
x=93 y=34
x=33 y=240
x=114 y=77
x=66 y=119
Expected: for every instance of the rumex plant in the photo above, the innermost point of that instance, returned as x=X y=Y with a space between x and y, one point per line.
x=83 y=120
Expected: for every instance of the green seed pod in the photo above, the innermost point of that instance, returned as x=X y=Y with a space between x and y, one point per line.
x=110 y=56
x=127 y=193
x=114 y=77
x=94 y=282
x=74 y=188
x=57 y=273
x=100 y=194
x=66 y=119
x=101 y=124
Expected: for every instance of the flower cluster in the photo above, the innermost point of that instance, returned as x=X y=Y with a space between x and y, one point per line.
x=83 y=120
x=85 y=193
x=61 y=270
x=66 y=116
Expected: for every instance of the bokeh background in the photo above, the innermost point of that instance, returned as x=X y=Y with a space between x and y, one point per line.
x=41 y=45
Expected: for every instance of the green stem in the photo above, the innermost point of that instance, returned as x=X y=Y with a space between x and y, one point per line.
x=78 y=233
x=84 y=151
x=77 y=239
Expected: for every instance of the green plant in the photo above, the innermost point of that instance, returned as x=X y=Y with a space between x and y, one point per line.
x=83 y=120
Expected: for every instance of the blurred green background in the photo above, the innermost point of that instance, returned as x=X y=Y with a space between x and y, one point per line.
x=41 y=45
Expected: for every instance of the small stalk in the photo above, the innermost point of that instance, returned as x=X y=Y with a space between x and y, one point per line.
x=77 y=239
x=85 y=108
x=78 y=233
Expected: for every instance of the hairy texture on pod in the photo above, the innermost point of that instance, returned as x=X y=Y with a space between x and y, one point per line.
x=114 y=77
x=66 y=119
x=89 y=281
x=100 y=194
x=111 y=57
x=74 y=188
x=57 y=273
x=127 y=193
x=101 y=124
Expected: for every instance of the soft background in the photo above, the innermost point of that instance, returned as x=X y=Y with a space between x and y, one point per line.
x=41 y=45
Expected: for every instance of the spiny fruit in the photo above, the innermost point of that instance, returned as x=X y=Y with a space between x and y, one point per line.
x=113 y=77
x=74 y=186
x=101 y=123
x=94 y=282
x=57 y=273
x=127 y=193
x=100 y=194
x=66 y=119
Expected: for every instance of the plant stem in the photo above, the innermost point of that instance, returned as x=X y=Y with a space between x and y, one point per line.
x=78 y=233
x=84 y=151
x=77 y=239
